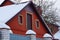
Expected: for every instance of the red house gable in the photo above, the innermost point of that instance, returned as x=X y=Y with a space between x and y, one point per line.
x=6 y=2
x=23 y=17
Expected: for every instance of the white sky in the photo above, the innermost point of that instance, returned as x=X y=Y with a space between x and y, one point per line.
x=57 y=4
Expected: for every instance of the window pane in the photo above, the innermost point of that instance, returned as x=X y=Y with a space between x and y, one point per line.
x=37 y=23
x=29 y=21
x=20 y=17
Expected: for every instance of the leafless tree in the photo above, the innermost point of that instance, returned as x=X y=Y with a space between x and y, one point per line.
x=48 y=11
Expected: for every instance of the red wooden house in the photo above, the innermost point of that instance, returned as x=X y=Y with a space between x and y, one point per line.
x=5 y=2
x=53 y=27
x=22 y=17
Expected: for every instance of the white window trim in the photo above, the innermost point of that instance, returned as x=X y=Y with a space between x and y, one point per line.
x=26 y=18
x=36 y=23
x=19 y=19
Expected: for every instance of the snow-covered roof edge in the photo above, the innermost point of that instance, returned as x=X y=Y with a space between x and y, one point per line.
x=46 y=25
x=1 y=1
x=47 y=35
x=2 y=25
x=30 y=32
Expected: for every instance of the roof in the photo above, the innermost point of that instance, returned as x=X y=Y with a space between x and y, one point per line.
x=55 y=25
x=7 y=12
x=46 y=26
x=15 y=1
x=47 y=35
x=57 y=35
x=2 y=25
x=58 y=24
x=30 y=32
x=1 y=1
x=10 y=31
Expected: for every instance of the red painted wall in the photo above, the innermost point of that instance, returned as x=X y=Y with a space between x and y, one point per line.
x=41 y=31
x=21 y=29
x=16 y=27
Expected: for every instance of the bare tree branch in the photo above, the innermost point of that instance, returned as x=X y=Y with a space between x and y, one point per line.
x=48 y=11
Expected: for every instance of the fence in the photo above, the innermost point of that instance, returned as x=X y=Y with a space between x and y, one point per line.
x=39 y=39
x=43 y=39
x=19 y=37
x=30 y=35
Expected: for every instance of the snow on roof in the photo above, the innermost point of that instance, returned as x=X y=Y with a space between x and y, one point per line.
x=30 y=32
x=47 y=35
x=57 y=35
x=2 y=25
x=11 y=31
x=19 y=1
x=14 y=1
x=59 y=28
x=7 y=12
x=1 y=1
x=57 y=23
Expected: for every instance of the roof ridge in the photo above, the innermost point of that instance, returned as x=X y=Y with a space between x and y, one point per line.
x=17 y=4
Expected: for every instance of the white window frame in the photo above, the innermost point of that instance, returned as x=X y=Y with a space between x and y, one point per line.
x=37 y=20
x=19 y=19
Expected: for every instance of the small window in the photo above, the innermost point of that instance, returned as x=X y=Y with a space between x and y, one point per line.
x=20 y=19
x=37 y=24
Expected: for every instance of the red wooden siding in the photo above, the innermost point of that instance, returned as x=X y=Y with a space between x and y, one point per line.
x=21 y=28
x=15 y=26
x=41 y=31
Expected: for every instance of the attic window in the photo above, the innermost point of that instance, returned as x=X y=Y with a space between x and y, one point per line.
x=29 y=21
x=37 y=24
x=20 y=19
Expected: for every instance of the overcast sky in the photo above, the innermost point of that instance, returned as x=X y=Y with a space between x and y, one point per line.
x=57 y=4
